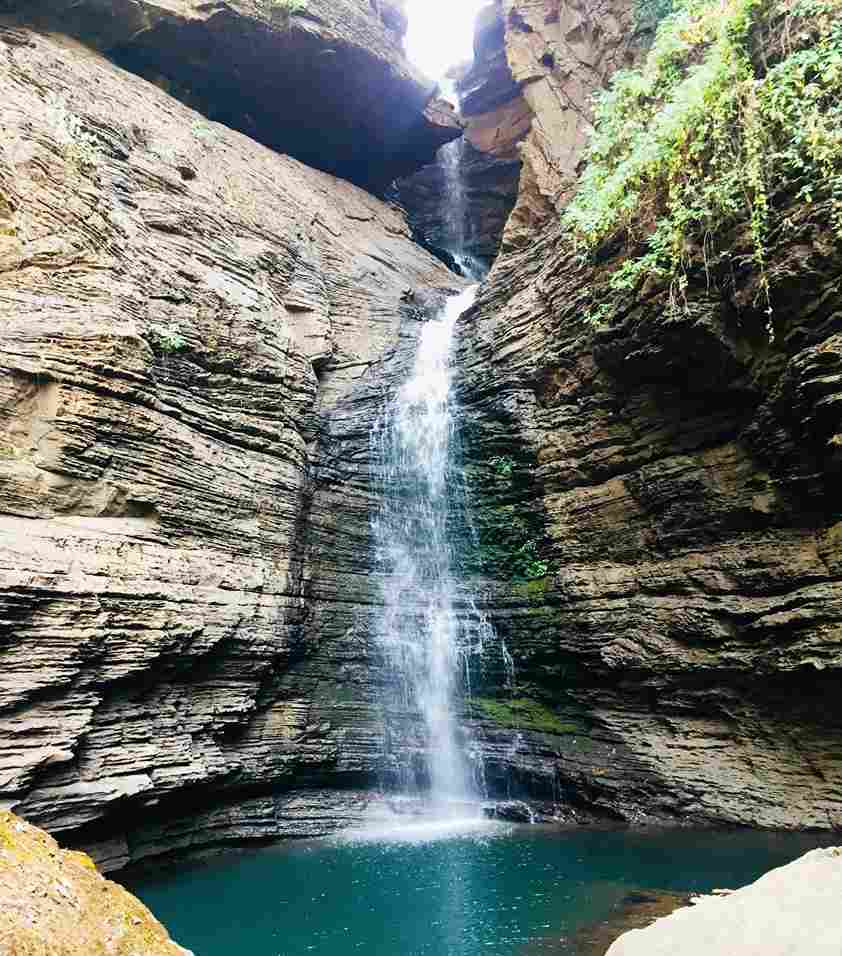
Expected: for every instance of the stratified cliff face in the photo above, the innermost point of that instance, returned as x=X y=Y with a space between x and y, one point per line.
x=496 y=119
x=196 y=335
x=657 y=503
x=327 y=83
x=561 y=54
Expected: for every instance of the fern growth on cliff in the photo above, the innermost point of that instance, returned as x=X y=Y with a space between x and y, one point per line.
x=738 y=104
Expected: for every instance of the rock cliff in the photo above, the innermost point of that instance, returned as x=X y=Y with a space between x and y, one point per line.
x=196 y=336
x=325 y=81
x=656 y=500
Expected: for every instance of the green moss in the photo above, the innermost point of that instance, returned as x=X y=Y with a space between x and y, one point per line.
x=534 y=589
x=524 y=714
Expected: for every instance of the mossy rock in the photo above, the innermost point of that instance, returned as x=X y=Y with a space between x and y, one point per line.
x=53 y=902
x=524 y=714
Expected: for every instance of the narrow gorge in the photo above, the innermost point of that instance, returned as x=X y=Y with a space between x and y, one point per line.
x=378 y=447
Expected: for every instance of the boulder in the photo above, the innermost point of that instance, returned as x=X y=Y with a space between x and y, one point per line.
x=791 y=911
x=53 y=902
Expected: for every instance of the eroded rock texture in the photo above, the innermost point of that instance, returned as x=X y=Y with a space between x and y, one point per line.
x=327 y=84
x=560 y=54
x=197 y=334
x=53 y=902
x=496 y=120
x=657 y=504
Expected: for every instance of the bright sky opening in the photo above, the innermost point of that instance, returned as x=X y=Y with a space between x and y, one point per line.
x=441 y=33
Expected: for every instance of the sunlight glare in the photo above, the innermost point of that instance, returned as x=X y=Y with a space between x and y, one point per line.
x=441 y=33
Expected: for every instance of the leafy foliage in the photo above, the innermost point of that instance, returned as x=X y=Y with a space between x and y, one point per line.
x=503 y=466
x=707 y=135
x=167 y=339
x=506 y=536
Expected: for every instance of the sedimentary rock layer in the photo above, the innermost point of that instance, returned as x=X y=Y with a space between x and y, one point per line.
x=196 y=335
x=326 y=81
x=657 y=503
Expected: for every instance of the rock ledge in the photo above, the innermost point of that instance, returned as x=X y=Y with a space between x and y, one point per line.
x=791 y=911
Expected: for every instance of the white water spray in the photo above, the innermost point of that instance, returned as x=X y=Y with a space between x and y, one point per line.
x=455 y=199
x=427 y=643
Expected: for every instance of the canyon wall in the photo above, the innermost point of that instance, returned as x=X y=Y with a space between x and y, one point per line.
x=196 y=336
x=496 y=119
x=656 y=501
x=326 y=82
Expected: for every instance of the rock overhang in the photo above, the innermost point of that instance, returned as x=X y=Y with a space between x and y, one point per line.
x=327 y=84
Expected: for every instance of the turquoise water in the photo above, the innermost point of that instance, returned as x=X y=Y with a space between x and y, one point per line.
x=512 y=892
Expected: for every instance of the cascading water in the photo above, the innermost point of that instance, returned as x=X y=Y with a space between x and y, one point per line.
x=426 y=641
x=455 y=199
x=431 y=630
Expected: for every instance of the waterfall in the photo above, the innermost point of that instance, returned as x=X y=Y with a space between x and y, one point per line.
x=455 y=198
x=427 y=640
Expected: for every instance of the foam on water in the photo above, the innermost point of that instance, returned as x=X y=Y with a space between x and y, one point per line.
x=395 y=828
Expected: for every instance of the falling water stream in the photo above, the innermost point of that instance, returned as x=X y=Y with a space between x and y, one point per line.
x=425 y=638
x=452 y=883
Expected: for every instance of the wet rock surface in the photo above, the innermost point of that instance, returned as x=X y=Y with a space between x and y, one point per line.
x=197 y=335
x=637 y=910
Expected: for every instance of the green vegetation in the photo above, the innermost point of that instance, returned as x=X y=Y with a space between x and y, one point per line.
x=166 y=339
x=524 y=714
x=503 y=466
x=506 y=545
x=507 y=534
x=285 y=10
x=735 y=113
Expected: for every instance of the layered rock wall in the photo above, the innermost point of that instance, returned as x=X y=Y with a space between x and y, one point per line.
x=196 y=335
x=657 y=503
x=326 y=82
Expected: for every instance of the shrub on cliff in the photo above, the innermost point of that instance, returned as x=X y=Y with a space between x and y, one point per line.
x=736 y=111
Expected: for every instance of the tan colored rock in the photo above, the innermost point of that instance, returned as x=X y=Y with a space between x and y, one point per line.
x=328 y=84
x=791 y=911
x=561 y=54
x=53 y=902
x=195 y=337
